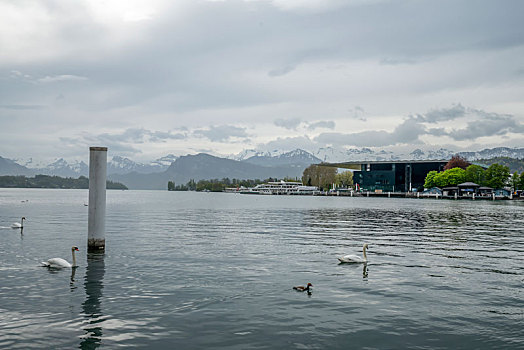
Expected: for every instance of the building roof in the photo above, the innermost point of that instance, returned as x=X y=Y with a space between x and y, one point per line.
x=357 y=163
x=468 y=184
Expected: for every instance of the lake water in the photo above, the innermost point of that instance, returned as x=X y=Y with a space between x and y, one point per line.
x=216 y=270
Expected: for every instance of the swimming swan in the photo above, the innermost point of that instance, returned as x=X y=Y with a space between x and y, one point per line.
x=354 y=258
x=59 y=262
x=19 y=224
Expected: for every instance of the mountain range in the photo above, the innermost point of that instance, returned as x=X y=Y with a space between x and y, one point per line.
x=248 y=164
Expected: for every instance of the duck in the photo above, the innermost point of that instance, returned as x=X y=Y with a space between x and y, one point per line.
x=61 y=263
x=351 y=258
x=19 y=224
x=302 y=288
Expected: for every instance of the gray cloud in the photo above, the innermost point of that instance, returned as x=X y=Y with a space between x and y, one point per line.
x=22 y=107
x=124 y=142
x=221 y=133
x=280 y=71
x=288 y=144
x=445 y=114
x=63 y=77
x=407 y=132
x=358 y=113
x=321 y=124
x=290 y=124
x=116 y=147
x=137 y=135
x=437 y=132
x=193 y=60
x=500 y=125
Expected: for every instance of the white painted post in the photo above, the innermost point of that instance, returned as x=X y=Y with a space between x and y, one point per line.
x=456 y=195
x=368 y=193
x=389 y=194
x=96 y=225
x=493 y=195
x=473 y=196
x=418 y=194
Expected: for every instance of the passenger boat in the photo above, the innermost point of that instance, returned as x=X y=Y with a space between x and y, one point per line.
x=281 y=188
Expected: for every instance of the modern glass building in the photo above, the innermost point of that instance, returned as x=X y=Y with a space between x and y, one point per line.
x=399 y=176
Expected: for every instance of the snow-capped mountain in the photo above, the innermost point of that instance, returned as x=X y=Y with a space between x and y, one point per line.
x=332 y=155
x=494 y=153
x=250 y=153
x=31 y=163
x=61 y=167
x=295 y=158
x=164 y=161
x=122 y=165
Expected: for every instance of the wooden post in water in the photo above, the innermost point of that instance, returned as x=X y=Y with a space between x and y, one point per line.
x=96 y=225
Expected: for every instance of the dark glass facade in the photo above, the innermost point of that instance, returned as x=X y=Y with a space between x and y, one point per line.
x=395 y=176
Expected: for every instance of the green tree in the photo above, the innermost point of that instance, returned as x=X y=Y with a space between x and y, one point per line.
x=475 y=173
x=191 y=185
x=430 y=179
x=521 y=181
x=344 y=179
x=497 y=175
x=318 y=175
x=515 y=181
x=170 y=186
x=451 y=177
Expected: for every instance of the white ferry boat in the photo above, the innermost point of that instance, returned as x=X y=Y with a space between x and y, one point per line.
x=282 y=187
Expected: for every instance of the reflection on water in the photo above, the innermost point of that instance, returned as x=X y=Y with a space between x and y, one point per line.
x=92 y=310
x=72 y=284
x=195 y=270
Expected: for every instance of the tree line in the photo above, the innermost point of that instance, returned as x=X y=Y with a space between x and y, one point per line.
x=315 y=175
x=218 y=185
x=458 y=170
x=47 y=181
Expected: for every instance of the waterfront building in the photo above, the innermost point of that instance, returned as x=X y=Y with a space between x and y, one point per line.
x=391 y=176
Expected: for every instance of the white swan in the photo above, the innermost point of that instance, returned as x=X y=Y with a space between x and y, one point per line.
x=19 y=224
x=354 y=258
x=59 y=262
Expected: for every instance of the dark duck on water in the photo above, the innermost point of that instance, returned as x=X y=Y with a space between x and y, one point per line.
x=302 y=288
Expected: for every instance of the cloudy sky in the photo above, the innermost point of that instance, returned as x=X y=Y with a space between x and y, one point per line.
x=148 y=78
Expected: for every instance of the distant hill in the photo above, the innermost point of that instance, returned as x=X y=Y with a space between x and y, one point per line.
x=204 y=167
x=248 y=164
x=512 y=163
x=9 y=167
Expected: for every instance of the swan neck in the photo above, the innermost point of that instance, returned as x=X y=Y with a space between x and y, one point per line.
x=364 y=252
x=74 y=258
